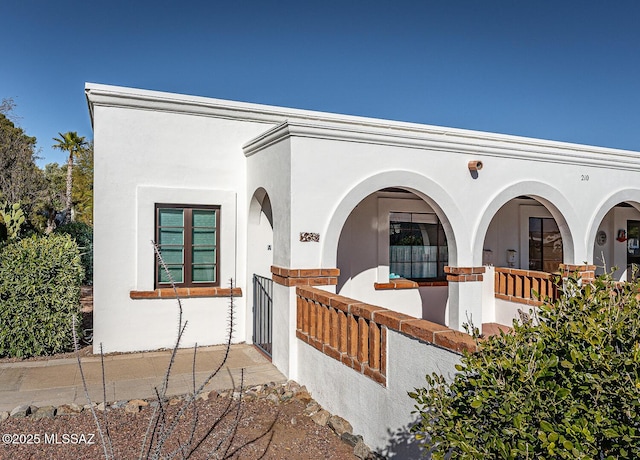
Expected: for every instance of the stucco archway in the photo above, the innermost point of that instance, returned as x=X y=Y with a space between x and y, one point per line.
x=259 y=261
x=381 y=195
x=427 y=189
x=606 y=248
x=557 y=204
x=260 y=234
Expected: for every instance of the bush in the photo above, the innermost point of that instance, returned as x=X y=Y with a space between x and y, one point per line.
x=83 y=234
x=565 y=385
x=39 y=295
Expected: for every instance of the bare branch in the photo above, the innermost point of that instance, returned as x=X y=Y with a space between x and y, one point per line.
x=107 y=455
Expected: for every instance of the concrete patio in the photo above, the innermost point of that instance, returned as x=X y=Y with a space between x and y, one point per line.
x=130 y=376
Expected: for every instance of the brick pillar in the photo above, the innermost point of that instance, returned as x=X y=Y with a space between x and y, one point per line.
x=465 y=296
x=292 y=277
x=587 y=273
x=464 y=274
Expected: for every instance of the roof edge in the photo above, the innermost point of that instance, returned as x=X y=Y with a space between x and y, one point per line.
x=307 y=123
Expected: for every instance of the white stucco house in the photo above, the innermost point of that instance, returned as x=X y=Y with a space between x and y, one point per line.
x=442 y=225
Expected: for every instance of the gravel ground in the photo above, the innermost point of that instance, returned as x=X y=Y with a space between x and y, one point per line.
x=265 y=430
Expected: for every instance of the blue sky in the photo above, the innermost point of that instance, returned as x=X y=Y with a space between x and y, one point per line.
x=562 y=70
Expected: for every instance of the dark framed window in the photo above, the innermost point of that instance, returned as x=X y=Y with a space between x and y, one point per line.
x=545 y=244
x=417 y=247
x=633 y=249
x=189 y=239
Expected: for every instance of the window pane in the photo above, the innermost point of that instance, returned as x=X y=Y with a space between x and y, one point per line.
x=405 y=234
x=202 y=218
x=172 y=255
x=417 y=246
x=176 y=272
x=545 y=244
x=551 y=245
x=204 y=236
x=429 y=234
x=535 y=243
x=443 y=252
x=170 y=217
x=171 y=236
x=424 y=218
x=204 y=274
x=400 y=216
x=204 y=255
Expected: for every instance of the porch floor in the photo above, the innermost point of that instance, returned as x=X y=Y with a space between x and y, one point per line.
x=489 y=329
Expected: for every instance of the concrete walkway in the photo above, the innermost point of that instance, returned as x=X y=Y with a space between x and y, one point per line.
x=129 y=376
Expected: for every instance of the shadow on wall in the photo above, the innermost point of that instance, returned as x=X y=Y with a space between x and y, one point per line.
x=434 y=303
x=402 y=445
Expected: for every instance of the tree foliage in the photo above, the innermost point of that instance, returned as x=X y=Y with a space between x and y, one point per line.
x=82 y=234
x=82 y=194
x=563 y=385
x=20 y=179
x=73 y=144
x=42 y=194
x=54 y=198
x=82 y=191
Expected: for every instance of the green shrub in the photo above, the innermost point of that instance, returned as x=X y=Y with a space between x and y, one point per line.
x=39 y=295
x=565 y=385
x=83 y=234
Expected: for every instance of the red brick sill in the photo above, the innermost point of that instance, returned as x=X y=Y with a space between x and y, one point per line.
x=185 y=293
x=398 y=283
x=401 y=283
x=433 y=283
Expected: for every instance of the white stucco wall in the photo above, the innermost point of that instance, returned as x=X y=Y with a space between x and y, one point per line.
x=380 y=414
x=145 y=157
x=271 y=170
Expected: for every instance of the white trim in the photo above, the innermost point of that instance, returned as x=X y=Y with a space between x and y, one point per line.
x=470 y=143
x=306 y=123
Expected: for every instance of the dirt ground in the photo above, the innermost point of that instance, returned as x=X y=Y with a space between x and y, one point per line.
x=259 y=429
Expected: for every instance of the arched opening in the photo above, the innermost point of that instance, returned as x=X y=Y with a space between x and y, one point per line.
x=525 y=243
x=259 y=261
x=392 y=251
x=525 y=235
x=260 y=234
x=616 y=243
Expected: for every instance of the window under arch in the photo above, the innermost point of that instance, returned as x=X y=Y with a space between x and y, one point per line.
x=417 y=246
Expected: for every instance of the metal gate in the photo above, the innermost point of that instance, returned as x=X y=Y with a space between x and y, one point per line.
x=262 y=313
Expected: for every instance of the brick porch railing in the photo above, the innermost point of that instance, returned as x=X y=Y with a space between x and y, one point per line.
x=515 y=285
x=355 y=333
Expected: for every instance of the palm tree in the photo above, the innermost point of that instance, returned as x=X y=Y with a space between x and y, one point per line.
x=74 y=144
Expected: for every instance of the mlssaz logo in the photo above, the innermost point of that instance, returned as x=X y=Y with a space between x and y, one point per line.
x=69 y=438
